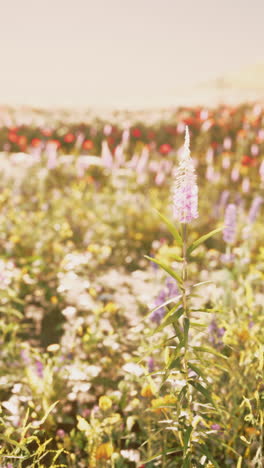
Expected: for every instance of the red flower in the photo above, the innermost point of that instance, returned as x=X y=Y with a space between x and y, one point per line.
x=248 y=161
x=136 y=132
x=22 y=141
x=214 y=144
x=69 y=138
x=165 y=148
x=13 y=137
x=151 y=135
x=110 y=141
x=35 y=142
x=189 y=121
x=88 y=144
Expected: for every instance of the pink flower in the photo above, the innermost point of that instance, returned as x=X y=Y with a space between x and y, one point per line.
x=107 y=158
x=185 y=190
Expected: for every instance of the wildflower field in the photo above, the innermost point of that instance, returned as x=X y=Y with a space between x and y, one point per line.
x=132 y=289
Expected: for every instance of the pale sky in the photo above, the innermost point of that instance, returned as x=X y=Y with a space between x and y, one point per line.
x=105 y=53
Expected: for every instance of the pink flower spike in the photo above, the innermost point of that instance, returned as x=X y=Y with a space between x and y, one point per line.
x=185 y=189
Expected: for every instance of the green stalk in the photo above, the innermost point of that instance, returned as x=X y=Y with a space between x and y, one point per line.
x=184 y=268
x=186 y=317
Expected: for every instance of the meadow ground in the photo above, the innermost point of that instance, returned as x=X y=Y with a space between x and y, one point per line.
x=109 y=358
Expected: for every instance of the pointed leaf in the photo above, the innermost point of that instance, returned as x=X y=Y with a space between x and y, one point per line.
x=186 y=326
x=166 y=268
x=203 y=239
x=186 y=438
x=197 y=370
x=172 y=229
x=206 y=349
x=169 y=451
x=205 y=451
x=187 y=461
x=171 y=319
x=164 y=304
x=204 y=391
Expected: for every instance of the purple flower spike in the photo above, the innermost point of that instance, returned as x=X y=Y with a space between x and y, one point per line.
x=170 y=290
x=151 y=364
x=39 y=369
x=229 y=233
x=254 y=209
x=216 y=427
x=185 y=190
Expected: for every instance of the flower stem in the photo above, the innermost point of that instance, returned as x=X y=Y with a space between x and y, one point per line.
x=186 y=317
x=184 y=299
x=184 y=268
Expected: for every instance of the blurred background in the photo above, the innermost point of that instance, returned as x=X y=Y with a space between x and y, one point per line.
x=130 y=54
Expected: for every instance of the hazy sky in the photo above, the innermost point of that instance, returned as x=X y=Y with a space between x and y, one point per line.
x=121 y=52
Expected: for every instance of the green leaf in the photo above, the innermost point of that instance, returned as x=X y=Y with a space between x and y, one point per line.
x=208 y=311
x=186 y=326
x=172 y=229
x=198 y=325
x=159 y=346
x=201 y=283
x=166 y=268
x=171 y=312
x=187 y=461
x=203 y=239
x=164 y=304
x=202 y=390
x=175 y=257
x=178 y=331
x=206 y=349
x=205 y=451
x=186 y=438
x=171 y=319
x=165 y=452
x=197 y=370
x=174 y=363
x=42 y=420
x=182 y=392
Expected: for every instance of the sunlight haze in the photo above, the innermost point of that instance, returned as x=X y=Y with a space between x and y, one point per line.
x=114 y=53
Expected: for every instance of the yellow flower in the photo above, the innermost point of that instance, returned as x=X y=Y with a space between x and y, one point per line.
x=104 y=451
x=251 y=431
x=93 y=248
x=243 y=335
x=244 y=170
x=111 y=307
x=14 y=239
x=170 y=399
x=158 y=403
x=147 y=391
x=105 y=403
x=92 y=292
x=54 y=300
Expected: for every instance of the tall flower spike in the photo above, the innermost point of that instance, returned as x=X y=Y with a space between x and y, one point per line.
x=229 y=232
x=185 y=189
x=254 y=209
